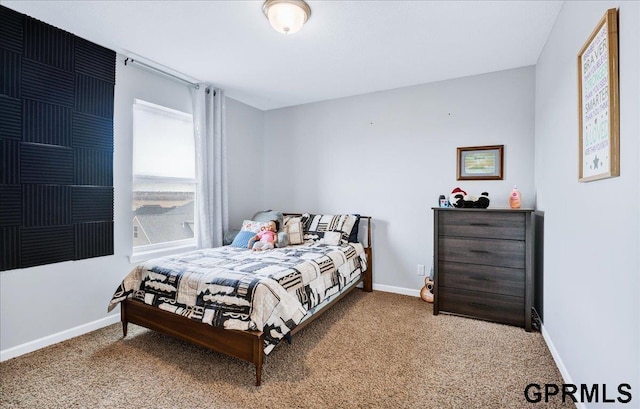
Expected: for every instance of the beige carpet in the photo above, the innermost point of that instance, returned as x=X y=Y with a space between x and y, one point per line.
x=371 y=350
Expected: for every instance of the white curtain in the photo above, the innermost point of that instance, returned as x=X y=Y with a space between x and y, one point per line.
x=211 y=166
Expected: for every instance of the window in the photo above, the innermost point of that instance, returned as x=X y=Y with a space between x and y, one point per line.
x=164 y=181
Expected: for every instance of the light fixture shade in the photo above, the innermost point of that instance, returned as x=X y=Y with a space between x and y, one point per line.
x=286 y=16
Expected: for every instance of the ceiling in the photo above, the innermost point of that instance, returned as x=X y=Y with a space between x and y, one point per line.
x=346 y=48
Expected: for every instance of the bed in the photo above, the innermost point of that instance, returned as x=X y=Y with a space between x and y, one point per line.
x=243 y=303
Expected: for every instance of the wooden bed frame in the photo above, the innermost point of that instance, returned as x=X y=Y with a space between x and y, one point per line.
x=245 y=345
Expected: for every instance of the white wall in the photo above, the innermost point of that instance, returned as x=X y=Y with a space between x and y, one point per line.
x=399 y=147
x=592 y=285
x=390 y=155
x=245 y=149
x=47 y=304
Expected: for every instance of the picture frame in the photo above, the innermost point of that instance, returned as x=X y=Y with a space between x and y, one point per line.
x=599 y=102
x=480 y=163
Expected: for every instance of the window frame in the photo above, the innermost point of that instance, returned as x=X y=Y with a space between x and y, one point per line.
x=147 y=251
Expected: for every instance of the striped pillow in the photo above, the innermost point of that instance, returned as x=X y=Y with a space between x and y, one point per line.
x=315 y=225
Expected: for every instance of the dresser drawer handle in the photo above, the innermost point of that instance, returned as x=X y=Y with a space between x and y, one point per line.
x=477 y=304
x=479 y=251
x=480 y=278
x=479 y=224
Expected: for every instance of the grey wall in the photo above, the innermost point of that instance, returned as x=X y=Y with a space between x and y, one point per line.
x=399 y=148
x=592 y=246
x=245 y=149
x=46 y=304
x=390 y=154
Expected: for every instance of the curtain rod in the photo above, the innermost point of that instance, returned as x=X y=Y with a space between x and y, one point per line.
x=159 y=71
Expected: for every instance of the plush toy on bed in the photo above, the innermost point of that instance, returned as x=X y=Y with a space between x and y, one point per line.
x=460 y=198
x=266 y=238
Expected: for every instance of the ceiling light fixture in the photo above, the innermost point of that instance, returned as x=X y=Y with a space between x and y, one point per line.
x=286 y=16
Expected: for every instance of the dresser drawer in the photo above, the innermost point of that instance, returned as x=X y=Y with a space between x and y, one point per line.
x=493 y=307
x=503 y=225
x=488 y=279
x=502 y=253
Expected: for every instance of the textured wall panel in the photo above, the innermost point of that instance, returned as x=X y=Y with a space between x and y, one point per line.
x=46 y=164
x=48 y=45
x=92 y=132
x=94 y=239
x=11 y=29
x=47 y=84
x=94 y=96
x=10 y=118
x=46 y=123
x=10 y=205
x=94 y=60
x=46 y=205
x=92 y=204
x=9 y=248
x=9 y=162
x=93 y=167
x=46 y=245
x=10 y=73
x=56 y=144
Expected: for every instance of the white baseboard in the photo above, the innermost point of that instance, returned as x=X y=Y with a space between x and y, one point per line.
x=59 y=337
x=114 y=318
x=558 y=360
x=556 y=356
x=396 y=290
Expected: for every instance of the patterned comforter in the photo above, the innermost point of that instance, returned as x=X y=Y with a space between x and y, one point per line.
x=236 y=288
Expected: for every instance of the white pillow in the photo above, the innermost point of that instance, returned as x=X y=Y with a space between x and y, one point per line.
x=252 y=225
x=332 y=238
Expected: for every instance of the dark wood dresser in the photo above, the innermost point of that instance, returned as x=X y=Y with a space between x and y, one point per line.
x=483 y=264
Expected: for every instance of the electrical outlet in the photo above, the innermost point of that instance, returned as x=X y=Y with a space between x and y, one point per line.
x=421 y=270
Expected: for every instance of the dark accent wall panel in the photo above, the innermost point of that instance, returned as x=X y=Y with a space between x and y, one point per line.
x=94 y=239
x=92 y=132
x=46 y=123
x=46 y=164
x=46 y=245
x=10 y=73
x=93 y=96
x=47 y=84
x=10 y=118
x=11 y=30
x=94 y=168
x=10 y=205
x=92 y=204
x=56 y=144
x=9 y=248
x=48 y=45
x=9 y=161
x=46 y=205
x=94 y=60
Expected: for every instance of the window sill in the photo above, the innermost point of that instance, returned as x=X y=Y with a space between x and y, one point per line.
x=147 y=255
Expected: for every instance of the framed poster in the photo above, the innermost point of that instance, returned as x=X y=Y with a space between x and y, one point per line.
x=599 y=102
x=480 y=163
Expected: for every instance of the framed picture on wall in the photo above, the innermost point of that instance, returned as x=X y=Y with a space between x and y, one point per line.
x=481 y=163
x=599 y=102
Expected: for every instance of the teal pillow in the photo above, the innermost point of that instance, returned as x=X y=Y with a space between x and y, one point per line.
x=242 y=239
